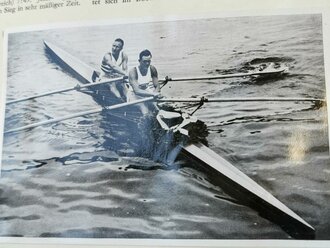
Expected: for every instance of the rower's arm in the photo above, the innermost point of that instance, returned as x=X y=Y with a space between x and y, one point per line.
x=154 y=76
x=132 y=78
x=124 y=63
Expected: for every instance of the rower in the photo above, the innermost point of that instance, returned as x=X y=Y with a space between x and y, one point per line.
x=114 y=64
x=143 y=79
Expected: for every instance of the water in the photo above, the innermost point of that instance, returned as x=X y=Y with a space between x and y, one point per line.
x=63 y=180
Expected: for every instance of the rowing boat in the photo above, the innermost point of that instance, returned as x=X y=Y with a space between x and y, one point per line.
x=165 y=119
x=219 y=171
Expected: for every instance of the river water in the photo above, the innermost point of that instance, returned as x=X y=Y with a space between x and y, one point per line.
x=63 y=180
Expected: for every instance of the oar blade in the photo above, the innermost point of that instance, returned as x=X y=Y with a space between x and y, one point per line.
x=268 y=72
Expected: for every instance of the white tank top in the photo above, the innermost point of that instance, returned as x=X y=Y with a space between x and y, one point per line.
x=118 y=62
x=145 y=82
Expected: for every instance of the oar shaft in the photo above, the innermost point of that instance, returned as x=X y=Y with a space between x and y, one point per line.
x=126 y=104
x=251 y=99
x=88 y=112
x=39 y=95
x=223 y=76
x=42 y=123
x=79 y=86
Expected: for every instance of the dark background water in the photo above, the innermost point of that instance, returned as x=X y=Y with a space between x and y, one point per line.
x=59 y=180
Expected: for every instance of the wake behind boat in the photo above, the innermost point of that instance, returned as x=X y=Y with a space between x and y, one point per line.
x=178 y=130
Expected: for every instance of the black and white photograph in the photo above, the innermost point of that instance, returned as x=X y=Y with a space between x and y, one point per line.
x=202 y=128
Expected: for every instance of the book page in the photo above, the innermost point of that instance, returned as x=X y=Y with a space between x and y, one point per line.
x=162 y=123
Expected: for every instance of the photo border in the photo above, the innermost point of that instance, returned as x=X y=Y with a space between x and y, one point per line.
x=82 y=242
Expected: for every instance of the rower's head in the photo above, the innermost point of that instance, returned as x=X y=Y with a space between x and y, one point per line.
x=145 y=58
x=117 y=46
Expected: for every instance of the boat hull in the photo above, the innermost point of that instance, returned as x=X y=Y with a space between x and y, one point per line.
x=238 y=185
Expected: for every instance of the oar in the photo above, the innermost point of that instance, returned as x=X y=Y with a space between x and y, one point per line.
x=88 y=112
x=168 y=79
x=250 y=99
x=77 y=87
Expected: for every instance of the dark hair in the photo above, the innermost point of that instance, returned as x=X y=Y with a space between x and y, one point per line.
x=145 y=52
x=121 y=41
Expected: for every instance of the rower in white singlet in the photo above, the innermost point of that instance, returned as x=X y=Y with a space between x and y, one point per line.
x=114 y=64
x=144 y=79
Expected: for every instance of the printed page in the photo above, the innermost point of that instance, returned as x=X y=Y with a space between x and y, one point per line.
x=162 y=123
